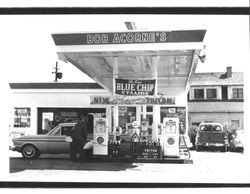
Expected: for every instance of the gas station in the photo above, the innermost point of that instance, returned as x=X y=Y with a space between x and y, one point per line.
x=147 y=75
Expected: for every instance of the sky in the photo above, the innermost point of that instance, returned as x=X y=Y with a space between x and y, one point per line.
x=29 y=53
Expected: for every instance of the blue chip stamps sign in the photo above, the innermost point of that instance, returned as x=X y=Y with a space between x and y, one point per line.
x=131 y=100
x=134 y=87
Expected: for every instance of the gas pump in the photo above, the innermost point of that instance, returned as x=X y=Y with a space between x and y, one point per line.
x=135 y=139
x=170 y=137
x=100 y=136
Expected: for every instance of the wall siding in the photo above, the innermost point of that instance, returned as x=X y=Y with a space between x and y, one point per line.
x=223 y=118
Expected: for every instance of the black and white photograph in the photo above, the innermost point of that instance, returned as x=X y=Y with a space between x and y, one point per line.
x=113 y=98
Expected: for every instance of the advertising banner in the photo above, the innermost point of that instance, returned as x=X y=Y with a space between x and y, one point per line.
x=134 y=87
x=129 y=100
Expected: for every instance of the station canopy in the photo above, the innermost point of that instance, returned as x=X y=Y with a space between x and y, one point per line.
x=169 y=57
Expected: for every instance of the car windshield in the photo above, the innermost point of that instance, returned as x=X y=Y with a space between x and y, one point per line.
x=209 y=127
x=53 y=130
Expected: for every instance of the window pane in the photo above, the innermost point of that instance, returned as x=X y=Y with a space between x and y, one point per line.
x=149 y=118
x=235 y=123
x=237 y=92
x=149 y=108
x=199 y=93
x=67 y=130
x=47 y=118
x=211 y=93
x=240 y=91
x=58 y=132
x=21 y=117
x=127 y=115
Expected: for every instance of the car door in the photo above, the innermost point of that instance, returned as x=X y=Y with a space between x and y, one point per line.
x=57 y=144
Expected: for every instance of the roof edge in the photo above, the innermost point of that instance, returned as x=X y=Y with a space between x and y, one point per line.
x=56 y=85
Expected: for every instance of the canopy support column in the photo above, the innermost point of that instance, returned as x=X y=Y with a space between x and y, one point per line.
x=156 y=108
x=115 y=107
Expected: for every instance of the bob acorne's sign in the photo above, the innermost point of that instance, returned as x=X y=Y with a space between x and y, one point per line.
x=136 y=37
x=134 y=87
x=131 y=100
x=126 y=38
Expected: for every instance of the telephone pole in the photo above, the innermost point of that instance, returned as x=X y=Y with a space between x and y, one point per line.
x=58 y=75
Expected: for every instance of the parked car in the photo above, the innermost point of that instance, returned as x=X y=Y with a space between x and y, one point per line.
x=54 y=142
x=211 y=135
x=236 y=143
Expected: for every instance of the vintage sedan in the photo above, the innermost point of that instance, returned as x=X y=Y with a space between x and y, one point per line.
x=236 y=144
x=211 y=135
x=57 y=141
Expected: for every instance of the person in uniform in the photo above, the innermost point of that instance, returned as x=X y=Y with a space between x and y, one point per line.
x=79 y=138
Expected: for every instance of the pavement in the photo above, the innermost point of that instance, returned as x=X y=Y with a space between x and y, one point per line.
x=207 y=167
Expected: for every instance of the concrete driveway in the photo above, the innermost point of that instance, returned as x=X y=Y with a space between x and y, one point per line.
x=207 y=167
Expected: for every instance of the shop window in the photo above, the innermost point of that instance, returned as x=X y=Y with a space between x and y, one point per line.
x=21 y=117
x=149 y=109
x=127 y=115
x=47 y=119
x=199 y=93
x=211 y=93
x=237 y=93
x=235 y=123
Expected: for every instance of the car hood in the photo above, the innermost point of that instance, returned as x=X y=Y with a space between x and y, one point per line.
x=29 y=137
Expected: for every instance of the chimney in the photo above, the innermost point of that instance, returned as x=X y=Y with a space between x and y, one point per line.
x=229 y=72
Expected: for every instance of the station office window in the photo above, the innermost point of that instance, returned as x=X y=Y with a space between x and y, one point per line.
x=21 y=117
x=211 y=93
x=127 y=115
x=199 y=93
x=237 y=93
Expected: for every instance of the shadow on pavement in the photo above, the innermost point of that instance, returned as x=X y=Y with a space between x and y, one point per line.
x=20 y=164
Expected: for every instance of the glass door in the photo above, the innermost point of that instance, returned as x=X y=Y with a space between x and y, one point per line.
x=147 y=114
x=127 y=115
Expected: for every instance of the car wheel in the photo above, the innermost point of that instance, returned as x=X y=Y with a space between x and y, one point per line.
x=30 y=152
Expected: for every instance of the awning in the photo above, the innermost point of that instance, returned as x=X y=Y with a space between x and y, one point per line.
x=167 y=56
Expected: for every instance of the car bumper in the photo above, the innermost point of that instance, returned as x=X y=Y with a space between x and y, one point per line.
x=212 y=144
x=13 y=148
x=237 y=148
